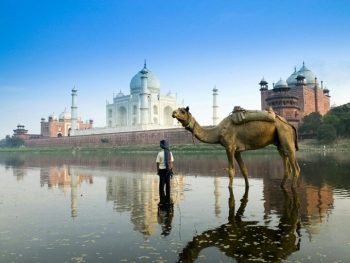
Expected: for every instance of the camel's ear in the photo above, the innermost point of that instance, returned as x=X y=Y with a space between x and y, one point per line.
x=187 y=108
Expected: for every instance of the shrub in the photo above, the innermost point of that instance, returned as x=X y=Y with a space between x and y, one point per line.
x=326 y=133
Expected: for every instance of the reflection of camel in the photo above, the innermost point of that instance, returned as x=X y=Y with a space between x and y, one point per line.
x=248 y=240
x=237 y=138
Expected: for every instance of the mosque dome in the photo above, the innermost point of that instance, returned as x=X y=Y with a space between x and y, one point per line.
x=263 y=82
x=308 y=74
x=65 y=115
x=292 y=79
x=281 y=84
x=53 y=117
x=153 y=83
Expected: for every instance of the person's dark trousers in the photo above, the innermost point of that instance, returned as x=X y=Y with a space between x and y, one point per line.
x=164 y=180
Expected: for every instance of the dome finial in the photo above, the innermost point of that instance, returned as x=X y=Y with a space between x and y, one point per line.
x=303 y=63
x=144 y=65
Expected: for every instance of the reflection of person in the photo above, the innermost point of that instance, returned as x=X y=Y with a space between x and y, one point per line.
x=165 y=165
x=165 y=217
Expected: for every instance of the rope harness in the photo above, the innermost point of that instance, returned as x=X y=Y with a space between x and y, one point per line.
x=190 y=127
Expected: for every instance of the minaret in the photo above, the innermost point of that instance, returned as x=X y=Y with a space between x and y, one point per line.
x=263 y=93
x=215 y=106
x=74 y=111
x=144 y=96
x=316 y=96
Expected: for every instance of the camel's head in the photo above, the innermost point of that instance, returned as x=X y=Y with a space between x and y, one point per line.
x=183 y=115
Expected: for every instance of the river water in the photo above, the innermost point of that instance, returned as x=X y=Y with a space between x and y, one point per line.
x=104 y=208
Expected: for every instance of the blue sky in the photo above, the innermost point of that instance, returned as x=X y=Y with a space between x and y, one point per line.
x=48 y=47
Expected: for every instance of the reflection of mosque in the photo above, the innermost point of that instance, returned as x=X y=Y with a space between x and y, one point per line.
x=17 y=165
x=317 y=201
x=142 y=201
x=19 y=173
x=61 y=177
x=65 y=178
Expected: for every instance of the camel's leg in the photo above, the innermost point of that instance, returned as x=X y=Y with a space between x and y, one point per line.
x=231 y=167
x=243 y=168
x=286 y=167
x=290 y=165
x=287 y=150
x=295 y=168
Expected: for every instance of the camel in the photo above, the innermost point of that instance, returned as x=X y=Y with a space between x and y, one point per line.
x=251 y=135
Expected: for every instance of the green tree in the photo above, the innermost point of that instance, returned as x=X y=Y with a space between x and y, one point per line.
x=11 y=142
x=343 y=124
x=310 y=124
x=326 y=133
x=331 y=118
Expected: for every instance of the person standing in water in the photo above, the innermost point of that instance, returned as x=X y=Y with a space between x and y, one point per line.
x=165 y=165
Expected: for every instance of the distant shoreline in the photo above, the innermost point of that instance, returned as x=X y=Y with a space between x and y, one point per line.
x=342 y=145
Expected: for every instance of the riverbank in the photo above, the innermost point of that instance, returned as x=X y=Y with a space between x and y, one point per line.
x=124 y=149
x=342 y=145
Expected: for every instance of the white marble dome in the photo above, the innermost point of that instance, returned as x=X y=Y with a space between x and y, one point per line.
x=65 y=115
x=53 y=117
x=153 y=83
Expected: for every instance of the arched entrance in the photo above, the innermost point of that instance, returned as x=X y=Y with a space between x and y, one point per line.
x=121 y=121
x=168 y=119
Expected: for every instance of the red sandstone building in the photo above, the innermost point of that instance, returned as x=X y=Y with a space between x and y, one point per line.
x=298 y=96
x=60 y=127
x=23 y=134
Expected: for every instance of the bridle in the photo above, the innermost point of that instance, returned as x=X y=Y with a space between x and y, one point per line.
x=190 y=127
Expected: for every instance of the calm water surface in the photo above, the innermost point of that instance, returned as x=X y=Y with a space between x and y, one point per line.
x=56 y=208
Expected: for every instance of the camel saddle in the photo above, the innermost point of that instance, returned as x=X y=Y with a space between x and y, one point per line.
x=240 y=115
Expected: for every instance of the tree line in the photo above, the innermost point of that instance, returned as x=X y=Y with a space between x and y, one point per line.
x=11 y=142
x=335 y=124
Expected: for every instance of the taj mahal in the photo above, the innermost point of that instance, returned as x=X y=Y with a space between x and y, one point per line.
x=145 y=108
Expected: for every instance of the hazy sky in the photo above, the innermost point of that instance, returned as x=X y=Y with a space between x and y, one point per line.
x=48 y=47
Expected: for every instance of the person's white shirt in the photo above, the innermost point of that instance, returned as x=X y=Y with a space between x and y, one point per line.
x=160 y=159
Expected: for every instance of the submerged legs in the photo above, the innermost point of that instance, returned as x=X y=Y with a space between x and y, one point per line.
x=231 y=154
x=231 y=167
x=290 y=166
x=243 y=168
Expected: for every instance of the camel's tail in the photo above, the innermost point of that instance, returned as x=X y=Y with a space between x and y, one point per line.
x=295 y=132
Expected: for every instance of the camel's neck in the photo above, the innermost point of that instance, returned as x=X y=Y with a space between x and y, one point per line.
x=207 y=135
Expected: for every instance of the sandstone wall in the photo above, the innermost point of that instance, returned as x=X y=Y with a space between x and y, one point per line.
x=175 y=136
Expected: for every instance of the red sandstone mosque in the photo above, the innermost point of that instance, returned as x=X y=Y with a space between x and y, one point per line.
x=298 y=96
x=66 y=123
